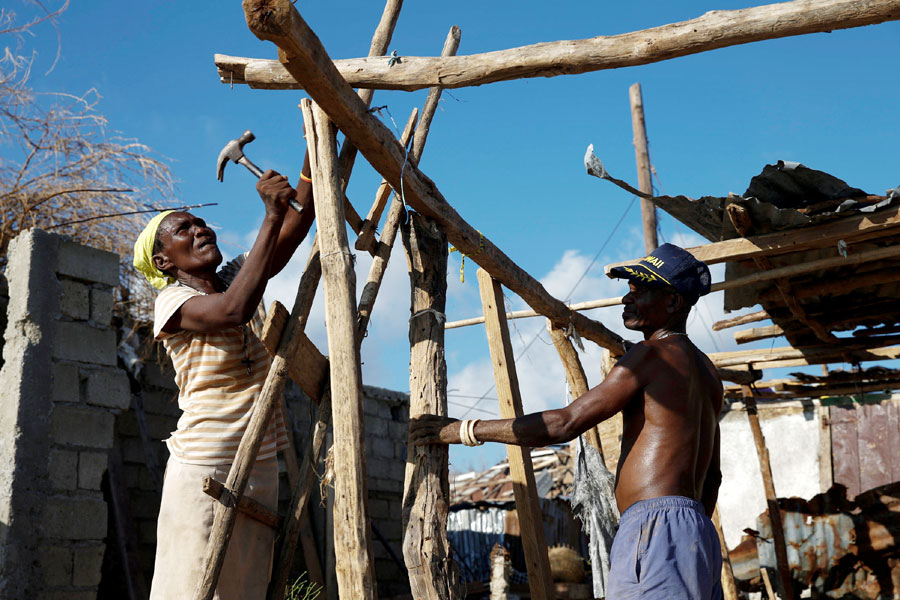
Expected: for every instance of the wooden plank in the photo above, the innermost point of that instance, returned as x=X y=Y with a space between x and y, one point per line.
x=826 y=464
x=353 y=553
x=433 y=574
x=278 y=21
x=578 y=384
x=753 y=317
x=850 y=229
x=810 y=355
x=729 y=587
x=308 y=367
x=765 y=468
x=521 y=472
x=716 y=29
x=642 y=157
x=758 y=333
x=845 y=448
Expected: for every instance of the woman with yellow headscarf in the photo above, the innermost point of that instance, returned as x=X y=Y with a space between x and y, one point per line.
x=209 y=320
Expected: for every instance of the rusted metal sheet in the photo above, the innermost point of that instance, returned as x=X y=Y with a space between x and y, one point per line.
x=872 y=429
x=845 y=448
x=837 y=547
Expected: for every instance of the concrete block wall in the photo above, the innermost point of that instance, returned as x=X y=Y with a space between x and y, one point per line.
x=60 y=392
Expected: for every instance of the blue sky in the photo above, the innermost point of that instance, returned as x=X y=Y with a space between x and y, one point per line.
x=508 y=156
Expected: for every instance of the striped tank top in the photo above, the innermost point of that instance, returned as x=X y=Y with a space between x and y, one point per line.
x=216 y=392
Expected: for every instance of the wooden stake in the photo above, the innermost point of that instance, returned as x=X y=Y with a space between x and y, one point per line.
x=521 y=472
x=279 y=22
x=451 y=44
x=353 y=558
x=729 y=588
x=765 y=467
x=642 y=155
x=717 y=29
x=433 y=573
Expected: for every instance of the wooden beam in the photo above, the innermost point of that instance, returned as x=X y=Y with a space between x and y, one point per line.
x=578 y=383
x=713 y=30
x=278 y=21
x=380 y=40
x=743 y=224
x=366 y=235
x=810 y=355
x=308 y=367
x=433 y=574
x=765 y=467
x=789 y=391
x=729 y=587
x=642 y=156
x=758 y=333
x=353 y=554
x=753 y=317
x=521 y=472
x=850 y=229
x=841 y=286
x=736 y=282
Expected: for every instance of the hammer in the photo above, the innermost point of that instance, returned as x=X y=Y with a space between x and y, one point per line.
x=234 y=151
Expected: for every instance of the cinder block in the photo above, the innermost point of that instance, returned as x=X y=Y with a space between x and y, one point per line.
x=161 y=377
x=108 y=387
x=88 y=264
x=400 y=450
x=378 y=509
x=74 y=302
x=75 y=518
x=161 y=403
x=81 y=426
x=133 y=451
x=81 y=342
x=101 y=306
x=376 y=427
x=144 y=505
x=63 y=469
x=65 y=384
x=161 y=426
x=88 y=561
x=68 y=595
x=56 y=565
x=91 y=467
x=382 y=448
x=398 y=431
x=385 y=485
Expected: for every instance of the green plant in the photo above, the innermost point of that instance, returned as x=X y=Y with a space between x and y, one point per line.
x=302 y=589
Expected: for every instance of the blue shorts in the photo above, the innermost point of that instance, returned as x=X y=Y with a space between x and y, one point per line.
x=666 y=548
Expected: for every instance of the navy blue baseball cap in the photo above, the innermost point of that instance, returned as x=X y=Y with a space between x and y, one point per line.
x=669 y=266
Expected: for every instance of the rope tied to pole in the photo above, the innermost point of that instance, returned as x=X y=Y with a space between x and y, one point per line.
x=438 y=315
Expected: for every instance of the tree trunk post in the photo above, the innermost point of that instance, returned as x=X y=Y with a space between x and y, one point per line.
x=432 y=572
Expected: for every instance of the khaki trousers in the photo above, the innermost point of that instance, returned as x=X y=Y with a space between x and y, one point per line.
x=183 y=529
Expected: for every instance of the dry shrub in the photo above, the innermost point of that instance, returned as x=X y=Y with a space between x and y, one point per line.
x=62 y=171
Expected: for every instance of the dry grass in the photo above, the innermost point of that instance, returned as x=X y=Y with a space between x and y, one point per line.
x=61 y=170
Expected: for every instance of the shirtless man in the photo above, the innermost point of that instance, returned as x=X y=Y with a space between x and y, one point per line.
x=668 y=475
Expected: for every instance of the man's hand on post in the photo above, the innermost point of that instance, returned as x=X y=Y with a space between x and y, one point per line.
x=432 y=429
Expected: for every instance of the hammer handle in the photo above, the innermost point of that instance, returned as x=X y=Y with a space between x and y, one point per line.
x=258 y=172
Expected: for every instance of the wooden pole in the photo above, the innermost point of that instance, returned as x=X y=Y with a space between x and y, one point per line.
x=578 y=383
x=753 y=317
x=645 y=177
x=279 y=22
x=717 y=29
x=426 y=491
x=521 y=472
x=451 y=45
x=765 y=467
x=729 y=587
x=353 y=553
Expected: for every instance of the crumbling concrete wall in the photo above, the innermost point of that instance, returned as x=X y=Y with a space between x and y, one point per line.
x=60 y=390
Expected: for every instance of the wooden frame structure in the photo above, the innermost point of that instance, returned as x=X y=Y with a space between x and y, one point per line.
x=304 y=63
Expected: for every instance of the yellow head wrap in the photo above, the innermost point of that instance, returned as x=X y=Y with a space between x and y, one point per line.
x=143 y=253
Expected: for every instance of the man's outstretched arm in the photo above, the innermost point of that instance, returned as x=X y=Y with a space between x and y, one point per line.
x=556 y=426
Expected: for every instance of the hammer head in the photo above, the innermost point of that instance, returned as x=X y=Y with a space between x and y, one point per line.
x=233 y=151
